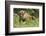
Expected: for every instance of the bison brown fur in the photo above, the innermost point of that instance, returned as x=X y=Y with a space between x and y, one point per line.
x=24 y=16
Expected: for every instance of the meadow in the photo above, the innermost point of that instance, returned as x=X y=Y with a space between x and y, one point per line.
x=30 y=23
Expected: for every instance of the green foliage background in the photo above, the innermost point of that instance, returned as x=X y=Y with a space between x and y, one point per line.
x=30 y=23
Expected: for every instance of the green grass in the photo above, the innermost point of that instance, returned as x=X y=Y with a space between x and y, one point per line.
x=30 y=23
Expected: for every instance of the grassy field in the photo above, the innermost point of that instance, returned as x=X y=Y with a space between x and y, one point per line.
x=30 y=23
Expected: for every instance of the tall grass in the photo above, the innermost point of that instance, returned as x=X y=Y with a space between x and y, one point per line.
x=30 y=23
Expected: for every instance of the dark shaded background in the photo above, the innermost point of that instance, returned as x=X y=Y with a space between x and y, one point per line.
x=33 y=12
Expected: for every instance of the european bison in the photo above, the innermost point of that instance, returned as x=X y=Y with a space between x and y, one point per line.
x=24 y=16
